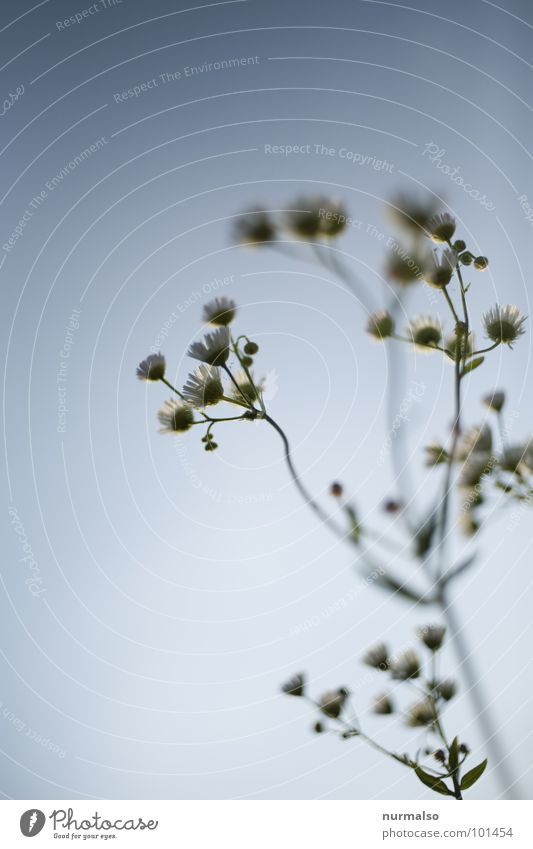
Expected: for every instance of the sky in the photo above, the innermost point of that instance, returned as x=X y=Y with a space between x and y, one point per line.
x=155 y=596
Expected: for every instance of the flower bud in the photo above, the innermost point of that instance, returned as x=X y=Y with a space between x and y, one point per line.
x=466 y=258
x=251 y=348
x=481 y=263
x=459 y=246
x=336 y=489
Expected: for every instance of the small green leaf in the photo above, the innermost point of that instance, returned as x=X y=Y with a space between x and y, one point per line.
x=431 y=781
x=454 y=754
x=471 y=777
x=473 y=364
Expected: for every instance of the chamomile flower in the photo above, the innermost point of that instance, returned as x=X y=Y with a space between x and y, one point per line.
x=254 y=227
x=247 y=387
x=504 y=324
x=421 y=713
x=406 y=666
x=412 y=212
x=220 y=312
x=383 y=705
x=380 y=325
x=377 y=657
x=152 y=368
x=404 y=265
x=439 y=269
x=425 y=332
x=175 y=417
x=477 y=439
x=332 y=702
x=204 y=387
x=494 y=400
x=313 y=217
x=214 y=350
x=441 y=227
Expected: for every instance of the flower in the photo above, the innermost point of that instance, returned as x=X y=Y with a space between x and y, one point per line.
x=504 y=324
x=332 y=702
x=439 y=269
x=221 y=311
x=412 y=212
x=425 y=332
x=382 y=705
x=380 y=325
x=295 y=686
x=478 y=465
x=377 y=657
x=517 y=458
x=494 y=400
x=254 y=227
x=432 y=636
x=204 y=387
x=481 y=263
x=152 y=368
x=421 y=713
x=214 y=350
x=404 y=266
x=441 y=227
x=477 y=439
x=406 y=666
x=316 y=216
x=446 y=689
x=246 y=387
x=435 y=454
x=458 y=346
x=175 y=416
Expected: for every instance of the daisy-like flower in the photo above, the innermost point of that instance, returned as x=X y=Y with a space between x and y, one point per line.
x=478 y=465
x=441 y=227
x=517 y=458
x=377 y=657
x=504 y=324
x=421 y=713
x=175 y=416
x=432 y=636
x=383 y=705
x=425 y=332
x=204 y=387
x=152 y=368
x=295 y=686
x=316 y=216
x=435 y=454
x=332 y=702
x=446 y=689
x=255 y=227
x=220 y=312
x=477 y=439
x=246 y=387
x=494 y=400
x=406 y=666
x=380 y=325
x=412 y=212
x=439 y=269
x=459 y=346
x=404 y=266
x=214 y=350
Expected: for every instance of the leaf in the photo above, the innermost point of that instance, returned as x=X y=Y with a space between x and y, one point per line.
x=454 y=754
x=473 y=364
x=471 y=777
x=459 y=569
x=389 y=583
x=431 y=781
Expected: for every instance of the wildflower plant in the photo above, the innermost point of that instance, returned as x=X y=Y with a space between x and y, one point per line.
x=473 y=463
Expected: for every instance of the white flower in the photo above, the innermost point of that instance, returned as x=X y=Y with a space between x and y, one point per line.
x=494 y=400
x=441 y=227
x=380 y=325
x=421 y=713
x=175 y=416
x=246 y=387
x=477 y=439
x=440 y=269
x=214 y=350
x=425 y=332
x=316 y=216
x=152 y=368
x=204 y=386
x=254 y=227
x=221 y=311
x=504 y=324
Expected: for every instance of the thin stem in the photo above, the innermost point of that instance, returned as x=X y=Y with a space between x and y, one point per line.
x=247 y=403
x=485 y=350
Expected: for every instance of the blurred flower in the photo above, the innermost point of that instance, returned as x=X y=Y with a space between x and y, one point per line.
x=382 y=705
x=441 y=227
x=295 y=686
x=254 y=227
x=336 y=490
x=458 y=346
x=425 y=332
x=432 y=636
x=478 y=438
x=204 y=387
x=504 y=324
x=468 y=524
x=380 y=325
x=214 y=350
x=494 y=400
x=377 y=657
x=405 y=666
x=477 y=466
x=517 y=458
x=435 y=454
x=440 y=756
x=412 y=212
x=332 y=702
x=421 y=713
x=221 y=311
x=439 y=269
x=318 y=728
x=246 y=387
x=318 y=216
x=446 y=689
x=175 y=416
x=404 y=266
x=152 y=368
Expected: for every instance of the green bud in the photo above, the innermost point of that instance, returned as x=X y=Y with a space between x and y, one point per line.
x=459 y=246
x=481 y=263
x=466 y=258
x=247 y=362
x=251 y=348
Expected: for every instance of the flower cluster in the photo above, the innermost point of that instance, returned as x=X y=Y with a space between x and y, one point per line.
x=311 y=219
x=408 y=670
